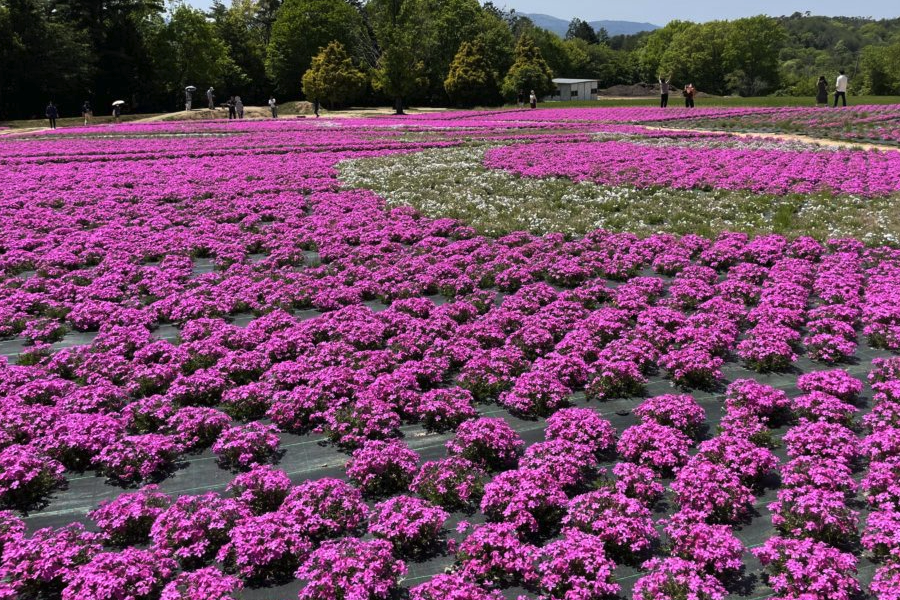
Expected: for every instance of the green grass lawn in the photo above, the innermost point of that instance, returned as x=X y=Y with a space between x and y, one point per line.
x=70 y=121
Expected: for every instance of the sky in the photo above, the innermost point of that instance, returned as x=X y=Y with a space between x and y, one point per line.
x=661 y=12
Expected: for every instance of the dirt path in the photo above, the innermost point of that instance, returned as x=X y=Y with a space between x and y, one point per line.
x=13 y=130
x=787 y=137
x=259 y=112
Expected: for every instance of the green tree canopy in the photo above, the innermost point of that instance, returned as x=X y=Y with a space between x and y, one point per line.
x=333 y=77
x=472 y=79
x=187 y=51
x=582 y=30
x=301 y=29
x=529 y=71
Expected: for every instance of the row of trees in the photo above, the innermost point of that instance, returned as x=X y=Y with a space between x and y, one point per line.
x=423 y=51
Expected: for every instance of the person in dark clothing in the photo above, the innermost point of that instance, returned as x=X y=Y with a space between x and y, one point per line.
x=663 y=92
x=232 y=108
x=532 y=100
x=821 y=92
x=316 y=107
x=520 y=99
x=117 y=112
x=52 y=114
x=87 y=112
x=689 y=91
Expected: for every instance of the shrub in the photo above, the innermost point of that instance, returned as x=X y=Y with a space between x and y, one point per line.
x=262 y=489
x=453 y=482
x=27 y=476
x=326 y=508
x=133 y=574
x=245 y=446
x=382 y=468
x=127 y=519
x=350 y=568
x=411 y=525
x=488 y=442
x=266 y=547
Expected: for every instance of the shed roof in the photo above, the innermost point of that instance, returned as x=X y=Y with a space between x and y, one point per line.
x=564 y=80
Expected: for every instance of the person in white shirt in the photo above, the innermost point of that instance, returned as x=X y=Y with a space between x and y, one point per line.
x=840 y=89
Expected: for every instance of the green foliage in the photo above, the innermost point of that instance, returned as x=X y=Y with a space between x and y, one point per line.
x=187 y=51
x=244 y=29
x=582 y=30
x=751 y=51
x=333 y=77
x=880 y=69
x=301 y=29
x=529 y=71
x=472 y=79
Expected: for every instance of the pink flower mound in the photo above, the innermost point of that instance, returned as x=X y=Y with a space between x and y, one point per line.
x=837 y=383
x=245 y=446
x=38 y=565
x=326 y=508
x=207 y=583
x=692 y=367
x=882 y=534
x=536 y=394
x=452 y=587
x=712 y=547
x=624 y=524
x=568 y=465
x=713 y=491
x=882 y=484
x=826 y=475
x=382 y=468
x=130 y=574
x=196 y=428
x=740 y=455
x=583 y=426
x=818 y=514
x=638 y=482
x=819 y=406
x=138 y=457
x=659 y=447
x=488 y=442
x=527 y=499
x=444 y=409
x=350 y=568
x=194 y=528
x=494 y=554
x=756 y=170
x=577 y=567
x=77 y=438
x=760 y=399
x=822 y=440
x=262 y=489
x=680 y=411
x=886 y=583
x=265 y=547
x=803 y=566
x=128 y=519
x=453 y=482
x=27 y=475
x=672 y=578
x=412 y=525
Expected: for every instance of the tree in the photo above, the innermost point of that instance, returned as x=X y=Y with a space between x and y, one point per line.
x=400 y=68
x=471 y=79
x=301 y=29
x=880 y=69
x=650 y=56
x=333 y=77
x=243 y=29
x=697 y=55
x=529 y=71
x=187 y=51
x=752 y=48
x=581 y=30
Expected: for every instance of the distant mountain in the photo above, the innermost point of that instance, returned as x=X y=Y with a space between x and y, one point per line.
x=560 y=26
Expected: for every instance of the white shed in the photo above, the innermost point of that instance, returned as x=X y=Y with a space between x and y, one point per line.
x=574 y=89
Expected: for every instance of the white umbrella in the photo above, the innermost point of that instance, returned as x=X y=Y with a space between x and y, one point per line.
x=190 y=88
x=118 y=102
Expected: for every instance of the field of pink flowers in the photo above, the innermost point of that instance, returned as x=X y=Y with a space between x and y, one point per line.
x=222 y=375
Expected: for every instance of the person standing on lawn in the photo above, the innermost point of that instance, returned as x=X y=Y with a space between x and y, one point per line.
x=273 y=107
x=239 y=107
x=86 y=112
x=117 y=112
x=52 y=114
x=821 y=92
x=532 y=100
x=840 y=89
x=211 y=98
x=689 y=91
x=232 y=111
x=664 y=91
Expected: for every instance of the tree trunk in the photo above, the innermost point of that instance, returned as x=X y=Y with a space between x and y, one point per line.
x=398 y=106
